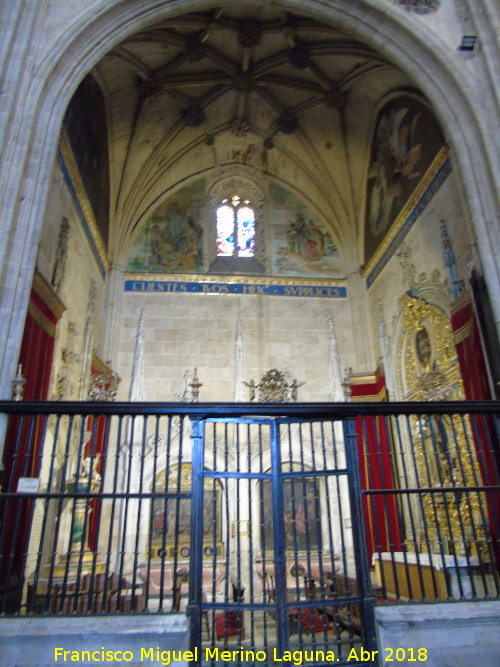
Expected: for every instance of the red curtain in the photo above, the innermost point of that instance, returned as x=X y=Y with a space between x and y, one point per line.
x=375 y=459
x=22 y=453
x=474 y=370
x=98 y=426
x=96 y=445
x=470 y=350
x=22 y=450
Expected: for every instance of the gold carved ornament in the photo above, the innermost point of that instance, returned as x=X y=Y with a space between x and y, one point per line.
x=443 y=445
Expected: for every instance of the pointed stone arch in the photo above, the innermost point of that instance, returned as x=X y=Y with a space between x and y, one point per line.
x=35 y=107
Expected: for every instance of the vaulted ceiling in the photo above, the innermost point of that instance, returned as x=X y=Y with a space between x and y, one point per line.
x=280 y=96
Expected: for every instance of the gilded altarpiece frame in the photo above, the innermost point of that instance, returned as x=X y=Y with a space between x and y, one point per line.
x=442 y=446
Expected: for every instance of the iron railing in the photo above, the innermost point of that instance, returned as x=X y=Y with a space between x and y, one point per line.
x=278 y=525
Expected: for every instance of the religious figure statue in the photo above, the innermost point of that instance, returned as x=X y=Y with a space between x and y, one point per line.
x=88 y=467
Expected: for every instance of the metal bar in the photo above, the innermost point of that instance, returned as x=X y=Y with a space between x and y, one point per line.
x=129 y=463
x=279 y=541
x=227 y=524
x=196 y=533
x=359 y=538
x=329 y=509
x=14 y=555
x=45 y=517
x=251 y=592
x=77 y=476
x=262 y=534
x=35 y=472
x=214 y=533
x=176 y=587
x=53 y=555
x=238 y=536
x=371 y=466
x=156 y=439
x=114 y=485
x=139 y=510
x=239 y=476
x=297 y=411
x=103 y=589
x=293 y=514
x=443 y=482
x=90 y=594
x=433 y=489
x=224 y=474
x=394 y=468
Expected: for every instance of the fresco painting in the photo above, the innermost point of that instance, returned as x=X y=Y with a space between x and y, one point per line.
x=85 y=126
x=406 y=140
x=301 y=245
x=172 y=239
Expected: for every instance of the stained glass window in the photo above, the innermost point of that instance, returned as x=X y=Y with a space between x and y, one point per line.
x=235 y=228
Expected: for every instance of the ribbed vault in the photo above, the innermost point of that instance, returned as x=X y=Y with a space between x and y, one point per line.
x=279 y=95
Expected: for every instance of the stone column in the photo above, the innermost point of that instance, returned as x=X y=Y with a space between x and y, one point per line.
x=361 y=352
x=113 y=298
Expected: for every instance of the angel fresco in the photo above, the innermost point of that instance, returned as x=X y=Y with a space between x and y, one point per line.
x=302 y=244
x=172 y=239
x=406 y=140
x=397 y=155
x=175 y=246
x=306 y=242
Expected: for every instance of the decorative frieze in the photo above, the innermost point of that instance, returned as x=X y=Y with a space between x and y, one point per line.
x=333 y=289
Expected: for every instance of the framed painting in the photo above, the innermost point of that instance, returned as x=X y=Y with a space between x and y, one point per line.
x=406 y=140
x=301 y=517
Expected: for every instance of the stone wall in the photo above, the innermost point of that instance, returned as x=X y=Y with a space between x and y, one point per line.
x=66 y=259
x=418 y=266
x=33 y=641
x=452 y=635
x=187 y=331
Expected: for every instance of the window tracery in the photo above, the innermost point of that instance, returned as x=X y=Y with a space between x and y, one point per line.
x=237 y=240
x=235 y=228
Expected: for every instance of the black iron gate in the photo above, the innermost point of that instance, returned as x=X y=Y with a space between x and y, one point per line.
x=278 y=568
x=112 y=509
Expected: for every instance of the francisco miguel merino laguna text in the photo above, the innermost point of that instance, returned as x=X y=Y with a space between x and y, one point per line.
x=170 y=657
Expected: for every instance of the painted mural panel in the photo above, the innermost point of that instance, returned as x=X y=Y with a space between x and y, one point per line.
x=406 y=140
x=301 y=246
x=85 y=125
x=172 y=239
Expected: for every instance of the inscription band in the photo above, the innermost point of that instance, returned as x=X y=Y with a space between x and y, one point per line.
x=327 y=291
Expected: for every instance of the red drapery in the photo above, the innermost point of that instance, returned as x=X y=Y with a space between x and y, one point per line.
x=374 y=451
x=23 y=443
x=96 y=445
x=474 y=370
x=470 y=350
x=21 y=458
